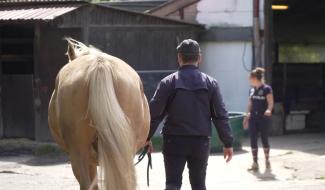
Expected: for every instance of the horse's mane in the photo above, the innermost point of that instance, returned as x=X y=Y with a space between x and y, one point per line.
x=77 y=49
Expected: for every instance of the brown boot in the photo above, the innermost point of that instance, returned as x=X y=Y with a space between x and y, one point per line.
x=267 y=158
x=268 y=165
x=255 y=167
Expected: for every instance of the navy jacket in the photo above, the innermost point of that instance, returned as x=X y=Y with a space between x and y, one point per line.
x=189 y=99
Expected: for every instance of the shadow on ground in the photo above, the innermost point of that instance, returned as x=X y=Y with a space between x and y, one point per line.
x=30 y=160
x=47 y=160
x=28 y=152
x=307 y=143
x=267 y=175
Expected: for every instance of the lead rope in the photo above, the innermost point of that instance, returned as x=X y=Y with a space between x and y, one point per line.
x=149 y=166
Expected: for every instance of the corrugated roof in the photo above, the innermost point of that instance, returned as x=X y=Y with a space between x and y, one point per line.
x=38 y=1
x=139 y=6
x=40 y=12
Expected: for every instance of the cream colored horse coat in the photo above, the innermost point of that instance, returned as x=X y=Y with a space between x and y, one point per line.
x=98 y=106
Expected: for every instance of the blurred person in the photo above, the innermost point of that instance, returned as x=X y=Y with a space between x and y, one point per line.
x=258 y=117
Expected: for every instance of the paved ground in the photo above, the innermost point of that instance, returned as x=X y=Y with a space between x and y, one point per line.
x=298 y=164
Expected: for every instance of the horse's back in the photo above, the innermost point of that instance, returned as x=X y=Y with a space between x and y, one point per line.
x=72 y=97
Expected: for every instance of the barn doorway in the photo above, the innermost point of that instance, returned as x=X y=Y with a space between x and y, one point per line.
x=16 y=58
x=299 y=67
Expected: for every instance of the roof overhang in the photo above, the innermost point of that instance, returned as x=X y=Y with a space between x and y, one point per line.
x=52 y=11
x=40 y=12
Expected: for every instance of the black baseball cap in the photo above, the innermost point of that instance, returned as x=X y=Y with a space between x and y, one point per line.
x=189 y=47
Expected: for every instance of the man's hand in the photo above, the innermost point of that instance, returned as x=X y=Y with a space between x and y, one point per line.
x=268 y=113
x=150 y=147
x=228 y=153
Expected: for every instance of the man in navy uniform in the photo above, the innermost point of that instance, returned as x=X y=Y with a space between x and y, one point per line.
x=188 y=99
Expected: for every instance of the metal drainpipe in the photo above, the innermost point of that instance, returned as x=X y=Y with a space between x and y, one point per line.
x=256 y=34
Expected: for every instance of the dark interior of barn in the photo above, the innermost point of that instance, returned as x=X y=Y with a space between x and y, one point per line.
x=299 y=57
x=17 y=49
x=17 y=69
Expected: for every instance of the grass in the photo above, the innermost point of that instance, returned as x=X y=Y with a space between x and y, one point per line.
x=288 y=153
x=320 y=178
x=157 y=143
x=47 y=149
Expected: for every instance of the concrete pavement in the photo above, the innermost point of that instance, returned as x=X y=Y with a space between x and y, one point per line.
x=298 y=163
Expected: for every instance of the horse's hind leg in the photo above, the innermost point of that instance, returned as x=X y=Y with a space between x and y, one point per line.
x=81 y=156
x=75 y=169
x=84 y=165
x=82 y=169
x=93 y=176
x=93 y=165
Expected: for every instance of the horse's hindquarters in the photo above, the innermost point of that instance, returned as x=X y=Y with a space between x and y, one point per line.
x=99 y=97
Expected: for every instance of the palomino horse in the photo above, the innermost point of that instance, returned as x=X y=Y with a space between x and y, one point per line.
x=99 y=115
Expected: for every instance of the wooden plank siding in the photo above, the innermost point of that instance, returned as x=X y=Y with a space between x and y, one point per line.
x=101 y=15
x=143 y=50
x=143 y=41
x=147 y=43
x=50 y=59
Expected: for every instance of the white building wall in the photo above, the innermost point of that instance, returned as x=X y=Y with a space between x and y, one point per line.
x=225 y=13
x=228 y=61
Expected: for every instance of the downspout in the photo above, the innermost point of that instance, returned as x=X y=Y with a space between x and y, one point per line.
x=257 y=35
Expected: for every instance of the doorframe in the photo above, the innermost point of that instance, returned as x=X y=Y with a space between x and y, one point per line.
x=268 y=40
x=36 y=81
x=1 y=117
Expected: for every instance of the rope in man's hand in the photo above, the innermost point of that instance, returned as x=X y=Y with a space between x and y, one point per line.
x=147 y=150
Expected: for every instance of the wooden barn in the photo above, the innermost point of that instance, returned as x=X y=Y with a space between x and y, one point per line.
x=32 y=51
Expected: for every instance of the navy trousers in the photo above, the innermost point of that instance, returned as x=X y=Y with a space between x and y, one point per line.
x=179 y=150
x=259 y=124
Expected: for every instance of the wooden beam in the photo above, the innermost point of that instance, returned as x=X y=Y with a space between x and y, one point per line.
x=268 y=40
x=171 y=7
x=16 y=57
x=36 y=84
x=17 y=41
x=1 y=117
x=139 y=27
x=85 y=27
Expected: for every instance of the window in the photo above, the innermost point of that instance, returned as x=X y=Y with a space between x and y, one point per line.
x=302 y=53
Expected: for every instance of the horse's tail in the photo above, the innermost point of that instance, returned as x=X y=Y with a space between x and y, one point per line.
x=115 y=137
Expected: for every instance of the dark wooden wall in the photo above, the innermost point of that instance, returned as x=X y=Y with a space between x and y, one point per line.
x=16 y=80
x=17 y=106
x=101 y=16
x=49 y=60
x=146 y=43
x=153 y=49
